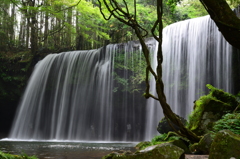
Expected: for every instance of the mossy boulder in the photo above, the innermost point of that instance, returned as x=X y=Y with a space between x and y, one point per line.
x=162 y=151
x=207 y=111
x=204 y=145
x=224 y=96
x=225 y=145
x=182 y=144
x=164 y=127
x=210 y=108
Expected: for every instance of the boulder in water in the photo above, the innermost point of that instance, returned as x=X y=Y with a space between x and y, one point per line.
x=182 y=144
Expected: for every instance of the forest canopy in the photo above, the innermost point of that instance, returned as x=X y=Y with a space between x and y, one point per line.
x=55 y=25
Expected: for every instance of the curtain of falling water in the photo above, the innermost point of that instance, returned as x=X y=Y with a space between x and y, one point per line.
x=84 y=95
x=94 y=95
x=195 y=54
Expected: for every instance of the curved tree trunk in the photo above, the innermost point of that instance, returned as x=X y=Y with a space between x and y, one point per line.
x=226 y=20
x=131 y=20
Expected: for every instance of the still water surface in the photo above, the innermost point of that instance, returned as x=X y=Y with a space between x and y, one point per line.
x=64 y=150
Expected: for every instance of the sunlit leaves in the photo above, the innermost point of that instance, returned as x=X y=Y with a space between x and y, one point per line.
x=233 y=3
x=145 y=15
x=191 y=8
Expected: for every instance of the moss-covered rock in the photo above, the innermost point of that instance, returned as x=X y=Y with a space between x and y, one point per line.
x=162 y=151
x=223 y=96
x=207 y=111
x=182 y=144
x=225 y=145
x=204 y=145
x=164 y=127
x=210 y=108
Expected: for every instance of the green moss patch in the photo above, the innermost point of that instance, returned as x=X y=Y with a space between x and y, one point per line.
x=225 y=145
x=162 y=151
x=210 y=108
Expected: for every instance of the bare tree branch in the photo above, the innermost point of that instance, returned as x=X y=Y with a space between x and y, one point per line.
x=100 y=7
x=126 y=6
x=51 y=33
x=135 y=10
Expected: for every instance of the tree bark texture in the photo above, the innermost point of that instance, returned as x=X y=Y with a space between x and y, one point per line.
x=226 y=20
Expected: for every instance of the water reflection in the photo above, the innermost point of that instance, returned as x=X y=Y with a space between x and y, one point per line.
x=63 y=150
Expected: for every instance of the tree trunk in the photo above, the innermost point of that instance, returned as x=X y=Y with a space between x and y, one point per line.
x=34 y=32
x=28 y=32
x=22 y=33
x=226 y=20
x=12 y=34
x=69 y=32
x=168 y=113
x=77 y=37
x=128 y=19
x=45 y=36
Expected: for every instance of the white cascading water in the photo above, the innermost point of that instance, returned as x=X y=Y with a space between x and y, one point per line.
x=84 y=95
x=73 y=96
x=195 y=54
x=53 y=104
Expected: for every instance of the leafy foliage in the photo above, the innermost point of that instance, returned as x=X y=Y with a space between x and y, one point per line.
x=78 y=24
x=164 y=138
x=130 y=70
x=10 y=156
x=233 y=3
x=13 y=75
x=191 y=9
x=159 y=138
x=230 y=122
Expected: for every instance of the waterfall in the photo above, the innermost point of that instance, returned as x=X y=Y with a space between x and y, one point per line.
x=97 y=94
x=195 y=54
x=84 y=95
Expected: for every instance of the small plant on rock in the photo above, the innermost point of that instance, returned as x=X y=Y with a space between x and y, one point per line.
x=230 y=122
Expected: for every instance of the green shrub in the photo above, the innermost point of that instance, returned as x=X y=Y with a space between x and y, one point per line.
x=158 y=138
x=230 y=122
x=143 y=145
x=10 y=156
x=164 y=138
